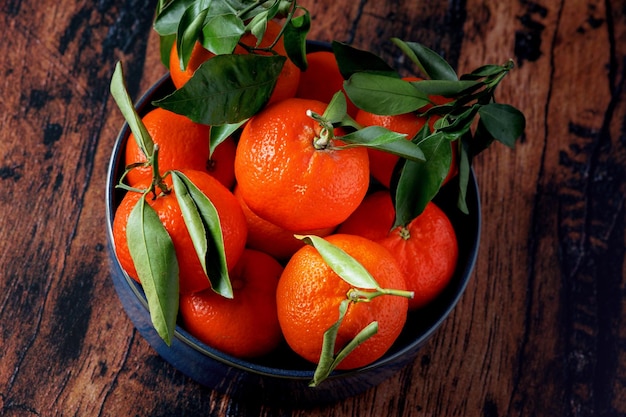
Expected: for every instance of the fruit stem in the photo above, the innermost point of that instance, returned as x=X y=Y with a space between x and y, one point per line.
x=326 y=133
x=157 y=179
x=356 y=295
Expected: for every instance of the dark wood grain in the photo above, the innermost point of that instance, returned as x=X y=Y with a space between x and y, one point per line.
x=541 y=329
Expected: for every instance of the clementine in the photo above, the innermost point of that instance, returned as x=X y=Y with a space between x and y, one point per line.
x=427 y=252
x=245 y=326
x=373 y=219
x=191 y=274
x=309 y=294
x=286 y=177
x=271 y=239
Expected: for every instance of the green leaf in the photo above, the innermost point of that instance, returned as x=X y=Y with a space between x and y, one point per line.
x=257 y=26
x=226 y=89
x=429 y=62
x=464 y=174
x=384 y=95
x=222 y=132
x=328 y=360
x=125 y=104
x=344 y=265
x=504 y=122
x=153 y=254
x=444 y=87
x=337 y=108
x=383 y=139
x=165 y=47
x=294 y=39
x=189 y=31
x=352 y=60
x=419 y=182
x=203 y=224
x=221 y=33
x=166 y=22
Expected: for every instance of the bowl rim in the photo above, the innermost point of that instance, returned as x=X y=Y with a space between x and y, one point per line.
x=185 y=337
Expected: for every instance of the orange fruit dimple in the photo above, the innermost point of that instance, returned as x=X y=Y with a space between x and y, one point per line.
x=245 y=326
x=191 y=274
x=284 y=179
x=427 y=251
x=286 y=85
x=309 y=294
x=271 y=239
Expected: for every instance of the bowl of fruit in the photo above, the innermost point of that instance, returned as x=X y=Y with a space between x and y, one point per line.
x=289 y=222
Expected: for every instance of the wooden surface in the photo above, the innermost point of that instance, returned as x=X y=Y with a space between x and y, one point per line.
x=541 y=330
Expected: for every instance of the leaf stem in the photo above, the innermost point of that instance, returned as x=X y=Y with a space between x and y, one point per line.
x=355 y=295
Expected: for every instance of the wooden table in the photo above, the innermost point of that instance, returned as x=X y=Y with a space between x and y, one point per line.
x=541 y=330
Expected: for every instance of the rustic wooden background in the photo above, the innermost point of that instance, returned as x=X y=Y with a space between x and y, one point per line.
x=541 y=330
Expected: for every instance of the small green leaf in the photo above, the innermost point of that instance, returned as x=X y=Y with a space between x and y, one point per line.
x=384 y=95
x=221 y=33
x=383 y=139
x=444 y=87
x=203 y=224
x=125 y=104
x=504 y=122
x=294 y=38
x=189 y=31
x=328 y=360
x=429 y=62
x=226 y=89
x=337 y=108
x=222 y=132
x=464 y=174
x=419 y=182
x=344 y=265
x=352 y=60
x=257 y=26
x=152 y=252
x=165 y=48
x=166 y=22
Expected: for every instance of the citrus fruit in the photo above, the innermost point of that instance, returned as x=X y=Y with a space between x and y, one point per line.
x=221 y=164
x=286 y=85
x=373 y=219
x=427 y=251
x=191 y=274
x=182 y=143
x=285 y=179
x=309 y=294
x=271 y=239
x=322 y=79
x=245 y=326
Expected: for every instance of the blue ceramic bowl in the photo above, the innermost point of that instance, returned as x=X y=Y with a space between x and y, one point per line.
x=282 y=377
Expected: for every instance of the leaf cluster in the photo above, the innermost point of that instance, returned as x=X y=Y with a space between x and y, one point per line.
x=151 y=247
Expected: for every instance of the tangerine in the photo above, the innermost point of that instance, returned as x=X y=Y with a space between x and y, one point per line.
x=271 y=239
x=322 y=79
x=191 y=274
x=288 y=179
x=245 y=326
x=309 y=294
x=427 y=252
x=287 y=83
x=373 y=219
x=183 y=144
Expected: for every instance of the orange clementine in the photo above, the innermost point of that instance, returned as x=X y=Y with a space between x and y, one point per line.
x=373 y=219
x=285 y=179
x=245 y=326
x=191 y=274
x=427 y=251
x=271 y=239
x=221 y=164
x=286 y=85
x=322 y=79
x=309 y=294
x=183 y=144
